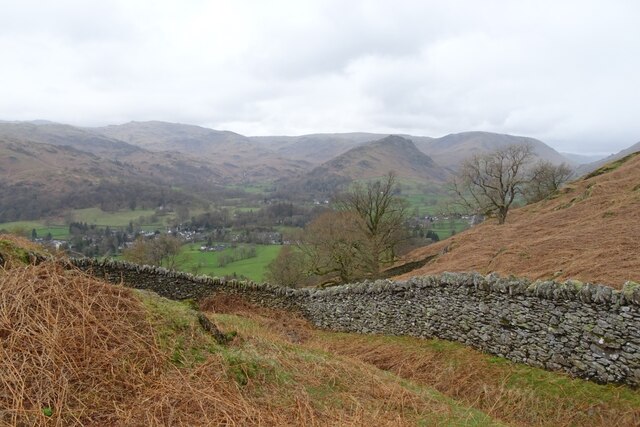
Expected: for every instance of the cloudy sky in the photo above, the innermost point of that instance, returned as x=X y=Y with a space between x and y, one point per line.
x=567 y=72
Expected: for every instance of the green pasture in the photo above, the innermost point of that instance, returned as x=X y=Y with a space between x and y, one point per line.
x=195 y=261
x=90 y=216
x=444 y=228
x=24 y=228
x=114 y=219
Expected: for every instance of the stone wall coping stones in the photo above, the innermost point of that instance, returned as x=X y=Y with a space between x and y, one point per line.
x=544 y=289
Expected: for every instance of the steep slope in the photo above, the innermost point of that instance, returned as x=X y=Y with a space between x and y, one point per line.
x=315 y=148
x=583 y=159
x=590 y=167
x=450 y=150
x=59 y=134
x=447 y=151
x=589 y=231
x=393 y=153
x=37 y=180
x=235 y=156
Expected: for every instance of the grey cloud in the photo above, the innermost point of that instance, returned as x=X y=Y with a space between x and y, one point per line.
x=565 y=72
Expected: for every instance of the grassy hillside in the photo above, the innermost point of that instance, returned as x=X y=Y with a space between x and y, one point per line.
x=77 y=351
x=508 y=393
x=88 y=353
x=587 y=231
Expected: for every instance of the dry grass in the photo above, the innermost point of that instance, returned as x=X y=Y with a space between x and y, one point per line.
x=71 y=348
x=77 y=351
x=589 y=232
x=512 y=393
x=515 y=394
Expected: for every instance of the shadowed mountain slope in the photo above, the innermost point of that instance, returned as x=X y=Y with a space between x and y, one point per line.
x=393 y=153
x=588 y=231
x=43 y=179
x=235 y=156
x=449 y=151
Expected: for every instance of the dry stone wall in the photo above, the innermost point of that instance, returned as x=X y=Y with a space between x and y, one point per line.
x=590 y=331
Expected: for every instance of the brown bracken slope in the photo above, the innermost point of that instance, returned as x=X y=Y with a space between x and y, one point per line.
x=589 y=231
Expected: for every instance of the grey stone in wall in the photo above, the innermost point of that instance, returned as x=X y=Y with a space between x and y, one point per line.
x=590 y=331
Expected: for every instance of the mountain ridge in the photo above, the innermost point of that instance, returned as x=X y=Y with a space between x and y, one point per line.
x=389 y=154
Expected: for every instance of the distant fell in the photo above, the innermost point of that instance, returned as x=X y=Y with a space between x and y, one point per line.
x=57 y=134
x=392 y=153
x=447 y=151
x=587 y=231
x=315 y=148
x=450 y=150
x=236 y=157
x=583 y=159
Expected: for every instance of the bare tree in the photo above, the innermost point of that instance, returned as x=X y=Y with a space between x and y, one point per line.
x=545 y=179
x=288 y=269
x=163 y=251
x=489 y=183
x=383 y=216
x=352 y=243
x=333 y=244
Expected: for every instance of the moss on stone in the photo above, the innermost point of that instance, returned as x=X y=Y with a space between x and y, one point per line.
x=609 y=167
x=12 y=253
x=629 y=288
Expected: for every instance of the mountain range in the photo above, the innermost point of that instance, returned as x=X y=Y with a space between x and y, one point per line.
x=170 y=161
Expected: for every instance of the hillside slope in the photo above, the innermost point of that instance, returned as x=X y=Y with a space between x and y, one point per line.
x=589 y=167
x=37 y=179
x=65 y=135
x=393 y=153
x=237 y=157
x=589 y=232
x=450 y=150
x=76 y=351
x=316 y=148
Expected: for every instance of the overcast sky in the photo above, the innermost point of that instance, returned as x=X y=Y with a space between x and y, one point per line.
x=566 y=72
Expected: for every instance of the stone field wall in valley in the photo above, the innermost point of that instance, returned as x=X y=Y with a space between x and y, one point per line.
x=591 y=331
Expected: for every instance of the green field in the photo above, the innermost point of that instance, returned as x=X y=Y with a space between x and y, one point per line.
x=25 y=227
x=444 y=228
x=90 y=216
x=114 y=219
x=207 y=262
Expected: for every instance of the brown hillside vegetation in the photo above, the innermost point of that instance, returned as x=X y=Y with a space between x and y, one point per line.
x=509 y=393
x=77 y=351
x=590 y=231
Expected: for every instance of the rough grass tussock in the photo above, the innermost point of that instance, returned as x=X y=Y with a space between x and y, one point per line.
x=77 y=351
x=72 y=350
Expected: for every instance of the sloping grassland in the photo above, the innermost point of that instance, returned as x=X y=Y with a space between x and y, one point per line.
x=77 y=351
x=589 y=231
